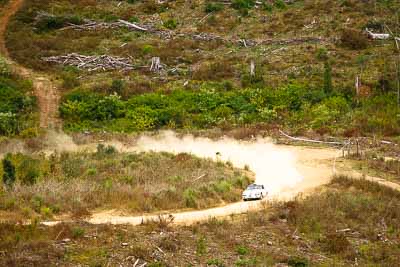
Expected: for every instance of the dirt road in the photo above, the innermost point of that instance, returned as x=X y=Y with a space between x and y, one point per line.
x=44 y=89
x=314 y=165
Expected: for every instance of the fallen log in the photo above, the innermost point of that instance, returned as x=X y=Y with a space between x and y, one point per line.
x=310 y=140
x=131 y=25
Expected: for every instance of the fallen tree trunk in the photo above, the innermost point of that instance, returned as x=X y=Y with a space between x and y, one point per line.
x=132 y=25
x=310 y=140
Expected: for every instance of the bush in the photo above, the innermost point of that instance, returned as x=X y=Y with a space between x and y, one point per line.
x=190 y=198
x=117 y=86
x=243 y=4
x=354 y=39
x=103 y=150
x=201 y=246
x=5 y=70
x=16 y=109
x=213 y=7
x=336 y=243
x=242 y=250
x=28 y=171
x=69 y=79
x=328 y=86
x=147 y=49
x=78 y=232
x=8 y=171
x=280 y=4
x=170 y=24
x=51 y=22
x=298 y=262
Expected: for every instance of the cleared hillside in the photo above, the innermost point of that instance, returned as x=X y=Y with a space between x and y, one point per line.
x=317 y=47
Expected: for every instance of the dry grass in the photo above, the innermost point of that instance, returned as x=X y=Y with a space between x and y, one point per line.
x=144 y=182
x=350 y=219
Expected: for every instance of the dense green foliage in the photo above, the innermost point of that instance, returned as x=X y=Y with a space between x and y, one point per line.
x=8 y=172
x=16 y=108
x=296 y=106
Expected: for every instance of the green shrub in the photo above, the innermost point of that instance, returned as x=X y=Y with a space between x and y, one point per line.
x=322 y=54
x=243 y=4
x=298 y=262
x=280 y=4
x=216 y=263
x=190 y=198
x=201 y=246
x=267 y=6
x=37 y=203
x=91 y=172
x=46 y=212
x=222 y=186
x=328 y=86
x=8 y=171
x=242 y=250
x=16 y=108
x=170 y=24
x=28 y=170
x=78 y=232
x=117 y=86
x=133 y=19
x=69 y=79
x=147 y=49
x=213 y=7
x=103 y=150
x=246 y=262
x=5 y=70
x=52 y=22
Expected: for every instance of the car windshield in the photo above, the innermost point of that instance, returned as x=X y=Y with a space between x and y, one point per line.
x=254 y=186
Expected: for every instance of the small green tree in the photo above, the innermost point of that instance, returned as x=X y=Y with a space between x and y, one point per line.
x=117 y=86
x=28 y=171
x=8 y=171
x=328 y=87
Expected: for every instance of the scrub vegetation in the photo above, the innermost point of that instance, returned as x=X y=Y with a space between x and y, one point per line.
x=349 y=221
x=77 y=183
x=307 y=57
x=18 y=111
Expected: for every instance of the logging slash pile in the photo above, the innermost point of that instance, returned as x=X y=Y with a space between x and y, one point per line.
x=92 y=63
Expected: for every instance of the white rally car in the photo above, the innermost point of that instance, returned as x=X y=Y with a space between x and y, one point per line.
x=254 y=191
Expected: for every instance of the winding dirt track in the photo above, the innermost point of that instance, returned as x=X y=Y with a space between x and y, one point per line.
x=316 y=165
x=44 y=89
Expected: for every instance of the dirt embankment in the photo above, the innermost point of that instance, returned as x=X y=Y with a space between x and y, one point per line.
x=44 y=89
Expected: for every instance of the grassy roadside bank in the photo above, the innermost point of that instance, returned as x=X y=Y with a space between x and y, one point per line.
x=76 y=183
x=358 y=222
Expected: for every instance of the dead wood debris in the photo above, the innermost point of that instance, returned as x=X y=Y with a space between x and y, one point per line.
x=199 y=36
x=92 y=63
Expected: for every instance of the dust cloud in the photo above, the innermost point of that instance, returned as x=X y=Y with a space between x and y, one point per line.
x=275 y=168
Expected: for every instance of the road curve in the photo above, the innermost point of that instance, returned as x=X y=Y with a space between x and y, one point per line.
x=314 y=164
